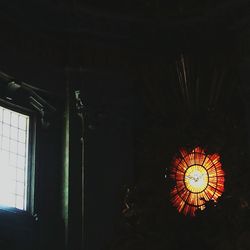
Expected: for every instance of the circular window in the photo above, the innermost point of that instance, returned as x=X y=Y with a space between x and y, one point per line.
x=198 y=178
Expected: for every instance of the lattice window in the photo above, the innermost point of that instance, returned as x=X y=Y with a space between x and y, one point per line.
x=14 y=140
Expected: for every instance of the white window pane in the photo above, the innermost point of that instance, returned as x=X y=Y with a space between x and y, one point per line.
x=13 y=146
x=12 y=187
x=1 y=128
x=4 y=161
x=22 y=122
x=20 y=175
x=20 y=189
x=6 y=116
x=21 y=162
x=14 y=133
x=5 y=182
x=11 y=201
x=8 y=200
x=13 y=159
x=19 y=202
x=5 y=143
x=6 y=130
x=21 y=149
x=22 y=136
x=12 y=173
x=14 y=119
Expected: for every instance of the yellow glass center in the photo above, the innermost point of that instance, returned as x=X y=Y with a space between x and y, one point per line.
x=196 y=178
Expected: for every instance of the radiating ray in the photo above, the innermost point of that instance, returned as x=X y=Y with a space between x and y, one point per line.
x=198 y=178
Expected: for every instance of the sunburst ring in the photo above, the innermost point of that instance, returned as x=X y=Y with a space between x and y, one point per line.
x=198 y=177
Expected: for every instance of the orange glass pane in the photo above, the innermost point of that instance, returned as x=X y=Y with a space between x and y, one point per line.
x=207 y=163
x=199 y=158
x=198 y=177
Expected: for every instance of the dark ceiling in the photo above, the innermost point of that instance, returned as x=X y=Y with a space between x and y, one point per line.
x=57 y=28
x=123 y=19
x=47 y=37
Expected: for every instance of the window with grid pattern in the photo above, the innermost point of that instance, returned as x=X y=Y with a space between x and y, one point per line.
x=14 y=136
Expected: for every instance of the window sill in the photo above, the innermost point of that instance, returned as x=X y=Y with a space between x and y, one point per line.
x=13 y=218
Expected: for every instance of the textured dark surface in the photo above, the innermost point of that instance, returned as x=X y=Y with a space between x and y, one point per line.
x=122 y=56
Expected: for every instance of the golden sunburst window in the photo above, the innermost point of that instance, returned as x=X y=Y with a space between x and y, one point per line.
x=198 y=178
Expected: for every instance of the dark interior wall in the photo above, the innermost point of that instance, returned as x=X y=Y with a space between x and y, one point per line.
x=109 y=150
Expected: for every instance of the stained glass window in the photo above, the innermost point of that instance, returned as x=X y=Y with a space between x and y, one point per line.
x=198 y=177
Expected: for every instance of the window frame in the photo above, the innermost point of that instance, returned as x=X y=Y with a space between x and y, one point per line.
x=31 y=163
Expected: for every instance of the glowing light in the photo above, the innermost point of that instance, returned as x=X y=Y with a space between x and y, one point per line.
x=198 y=178
x=14 y=137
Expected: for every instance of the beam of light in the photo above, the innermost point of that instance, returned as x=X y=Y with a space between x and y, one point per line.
x=198 y=177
